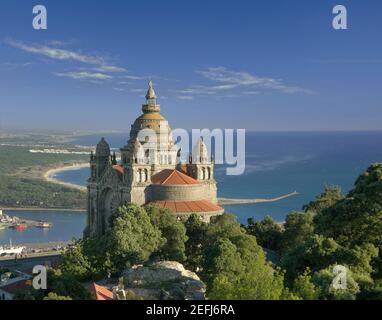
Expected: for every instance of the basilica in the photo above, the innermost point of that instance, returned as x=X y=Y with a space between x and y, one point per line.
x=150 y=172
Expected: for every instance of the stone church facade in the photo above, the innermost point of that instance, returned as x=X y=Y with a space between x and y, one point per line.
x=150 y=172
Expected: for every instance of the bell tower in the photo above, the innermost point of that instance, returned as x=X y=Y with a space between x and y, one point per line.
x=201 y=166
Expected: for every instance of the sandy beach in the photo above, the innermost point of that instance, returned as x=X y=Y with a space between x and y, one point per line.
x=50 y=175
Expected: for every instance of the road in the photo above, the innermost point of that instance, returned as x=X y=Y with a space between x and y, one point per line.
x=30 y=261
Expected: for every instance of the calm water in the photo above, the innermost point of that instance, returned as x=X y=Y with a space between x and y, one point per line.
x=276 y=164
x=66 y=225
x=279 y=163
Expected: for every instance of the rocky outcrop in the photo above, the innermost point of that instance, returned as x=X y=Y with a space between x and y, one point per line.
x=165 y=280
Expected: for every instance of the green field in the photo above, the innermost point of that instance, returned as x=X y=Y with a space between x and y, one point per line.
x=22 y=185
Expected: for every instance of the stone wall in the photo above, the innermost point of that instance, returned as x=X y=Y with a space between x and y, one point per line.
x=177 y=193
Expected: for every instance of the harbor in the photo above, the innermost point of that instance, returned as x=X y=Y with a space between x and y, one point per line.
x=65 y=225
x=17 y=223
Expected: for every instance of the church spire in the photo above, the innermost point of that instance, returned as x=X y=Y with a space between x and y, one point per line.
x=151 y=100
x=151 y=96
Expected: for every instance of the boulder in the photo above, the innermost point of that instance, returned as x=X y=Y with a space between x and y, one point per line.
x=164 y=280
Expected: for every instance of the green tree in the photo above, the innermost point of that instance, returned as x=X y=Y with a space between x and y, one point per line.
x=267 y=232
x=221 y=259
x=196 y=231
x=315 y=253
x=223 y=226
x=325 y=279
x=357 y=219
x=55 y=296
x=304 y=287
x=75 y=262
x=234 y=265
x=240 y=271
x=330 y=196
x=298 y=227
x=172 y=230
x=132 y=238
x=319 y=252
x=64 y=284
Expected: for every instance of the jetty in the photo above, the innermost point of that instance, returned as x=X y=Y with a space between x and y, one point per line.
x=21 y=224
x=232 y=201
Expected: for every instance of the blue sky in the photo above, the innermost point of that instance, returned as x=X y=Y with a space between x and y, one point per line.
x=260 y=65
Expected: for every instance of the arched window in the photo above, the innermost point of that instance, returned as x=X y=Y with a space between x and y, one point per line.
x=204 y=173
x=209 y=173
x=146 y=175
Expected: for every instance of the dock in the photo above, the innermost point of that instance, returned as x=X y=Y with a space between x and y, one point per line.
x=232 y=201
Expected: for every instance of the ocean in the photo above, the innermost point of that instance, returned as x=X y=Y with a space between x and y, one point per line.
x=280 y=163
x=276 y=164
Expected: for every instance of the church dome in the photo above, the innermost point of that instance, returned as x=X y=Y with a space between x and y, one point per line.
x=103 y=148
x=150 y=117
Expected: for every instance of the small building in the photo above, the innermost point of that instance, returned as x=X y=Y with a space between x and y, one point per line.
x=14 y=281
x=100 y=292
x=8 y=291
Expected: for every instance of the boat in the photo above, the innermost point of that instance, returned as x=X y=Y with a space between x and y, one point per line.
x=20 y=226
x=44 y=224
x=11 y=250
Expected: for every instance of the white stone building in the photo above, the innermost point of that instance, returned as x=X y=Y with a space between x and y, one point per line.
x=150 y=173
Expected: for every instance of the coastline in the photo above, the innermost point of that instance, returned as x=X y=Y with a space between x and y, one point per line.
x=49 y=175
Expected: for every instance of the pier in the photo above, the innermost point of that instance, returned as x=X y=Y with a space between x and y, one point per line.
x=21 y=224
x=232 y=201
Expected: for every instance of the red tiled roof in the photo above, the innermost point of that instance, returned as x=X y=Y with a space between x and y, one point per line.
x=19 y=286
x=101 y=293
x=172 y=177
x=188 y=206
x=119 y=169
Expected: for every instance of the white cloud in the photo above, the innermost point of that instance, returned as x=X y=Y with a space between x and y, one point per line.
x=250 y=92
x=196 y=90
x=138 y=90
x=126 y=83
x=67 y=55
x=13 y=65
x=228 y=80
x=185 y=97
x=131 y=77
x=84 y=75
x=110 y=69
x=56 y=53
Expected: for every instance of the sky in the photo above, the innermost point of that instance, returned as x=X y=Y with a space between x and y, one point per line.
x=264 y=65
